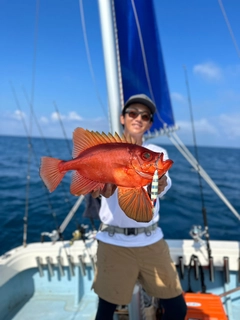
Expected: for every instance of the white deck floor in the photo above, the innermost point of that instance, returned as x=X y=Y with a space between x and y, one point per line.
x=40 y=307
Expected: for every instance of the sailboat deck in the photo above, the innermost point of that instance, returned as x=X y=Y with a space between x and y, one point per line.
x=51 y=292
x=58 y=297
x=50 y=307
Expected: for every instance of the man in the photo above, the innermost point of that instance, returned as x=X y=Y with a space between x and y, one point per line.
x=131 y=251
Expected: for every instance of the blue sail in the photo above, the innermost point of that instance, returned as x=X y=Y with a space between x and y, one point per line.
x=141 y=60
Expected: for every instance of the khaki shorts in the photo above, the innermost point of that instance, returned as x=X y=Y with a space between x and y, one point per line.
x=119 y=268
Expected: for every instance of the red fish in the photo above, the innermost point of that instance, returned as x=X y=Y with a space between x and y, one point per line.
x=99 y=159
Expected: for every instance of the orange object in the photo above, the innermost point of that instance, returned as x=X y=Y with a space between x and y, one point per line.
x=204 y=306
x=99 y=159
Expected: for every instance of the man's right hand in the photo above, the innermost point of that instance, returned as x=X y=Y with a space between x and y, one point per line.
x=107 y=191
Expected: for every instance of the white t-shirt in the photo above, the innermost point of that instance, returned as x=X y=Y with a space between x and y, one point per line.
x=111 y=214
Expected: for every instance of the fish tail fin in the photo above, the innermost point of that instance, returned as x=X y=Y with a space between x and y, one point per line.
x=50 y=173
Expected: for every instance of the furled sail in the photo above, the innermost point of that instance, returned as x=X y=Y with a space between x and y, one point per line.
x=141 y=61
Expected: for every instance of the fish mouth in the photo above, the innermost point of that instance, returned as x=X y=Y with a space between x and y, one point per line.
x=144 y=175
x=166 y=164
x=159 y=158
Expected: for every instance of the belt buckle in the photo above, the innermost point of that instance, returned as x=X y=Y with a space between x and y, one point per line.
x=111 y=231
x=148 y=231
x=129 y=231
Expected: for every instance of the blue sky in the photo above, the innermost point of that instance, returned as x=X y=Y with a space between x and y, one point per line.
x=192 y=33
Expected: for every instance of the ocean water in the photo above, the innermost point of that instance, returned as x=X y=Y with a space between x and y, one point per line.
x=181 y=208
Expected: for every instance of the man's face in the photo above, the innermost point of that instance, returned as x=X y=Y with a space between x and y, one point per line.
x=141 y=123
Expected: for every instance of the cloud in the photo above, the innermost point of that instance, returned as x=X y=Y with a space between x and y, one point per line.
x=219 y=130
x=208 y=71
x=55 y=116
x=229 y=124
x=72 y=116
x=44 y=120
x=177 y=97
x=201 y=126
x=18 y=115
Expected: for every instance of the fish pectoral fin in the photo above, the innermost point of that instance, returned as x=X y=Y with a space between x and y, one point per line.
x=81 y=185
x=136 y=203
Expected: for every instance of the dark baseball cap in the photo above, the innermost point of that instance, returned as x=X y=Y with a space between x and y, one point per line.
x=140 y=98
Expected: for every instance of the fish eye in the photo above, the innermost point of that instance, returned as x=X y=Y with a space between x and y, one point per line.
x=146 y=156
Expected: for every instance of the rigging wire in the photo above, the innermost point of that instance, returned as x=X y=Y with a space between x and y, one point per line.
x=204 y=212
x=142 y=49
x=190 y=158
x=118 y=55
x=231 y=33
x=229 y=27
x=143 y=52
x=145 y=60
x=89 y=57
x=170 y=133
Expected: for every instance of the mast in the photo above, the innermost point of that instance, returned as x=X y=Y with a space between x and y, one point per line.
x=111 y=66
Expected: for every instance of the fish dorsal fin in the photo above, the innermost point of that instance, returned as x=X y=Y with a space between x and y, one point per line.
x=85 y=139
x=128 y=139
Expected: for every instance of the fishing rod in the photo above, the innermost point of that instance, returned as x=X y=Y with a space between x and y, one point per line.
x=36 y=121
x=30 y=151
x=59 y=231
x=62 y=127
x=204 y=211
x=89 y=59
x=30 y=146
x=44 y=141
x=25 y=219
x=77 y=204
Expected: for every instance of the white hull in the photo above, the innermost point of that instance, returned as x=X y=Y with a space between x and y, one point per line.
x=32 y=280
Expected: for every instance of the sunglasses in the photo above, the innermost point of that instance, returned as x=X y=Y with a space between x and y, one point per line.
x=134 y=114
